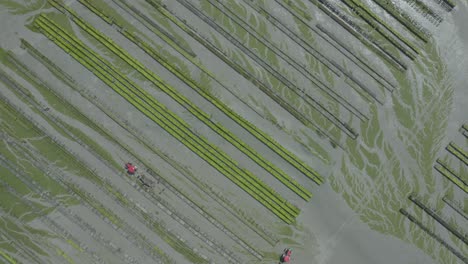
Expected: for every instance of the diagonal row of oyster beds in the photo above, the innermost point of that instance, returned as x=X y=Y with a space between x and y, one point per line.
x=434 y=214
x=263 y=137
x=263 y=86
x=335 y=42
x=173 y=212
x=340 y=45
x=313 y=102
x=331 y=64
x=305 y=71
x=162 y=204
x=356 y=58
x=444 y=169
x=376 y=23
x=180 y=48
x=428 y=12
x=433 y=235
x=167 y=120
x=152 y=196
x=15 y=212
x=343 y=20
x=86 y=199
x=447 y=171
x=464 y=130
x=7 y=257
x=276 y=172
x=304 y=17
x=260 y=135
x=186 y=52
x=67 y=239
x=458 y=152
x=404 y=19
x=364 y=12
x=381 y=27
x=25 y=252
x=154 y=27
x=456 y=206
x=106 y=187
x=240 y=215
x=366 y=35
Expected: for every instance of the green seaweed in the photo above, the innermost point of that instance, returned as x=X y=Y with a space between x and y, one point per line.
x=20 y=7
x=404 y=166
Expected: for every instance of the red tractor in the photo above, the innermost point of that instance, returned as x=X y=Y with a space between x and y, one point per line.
x=286 y=256
x=131 y=169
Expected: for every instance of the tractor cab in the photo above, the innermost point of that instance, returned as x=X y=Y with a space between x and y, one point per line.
x=131 y=169
x=286 y=256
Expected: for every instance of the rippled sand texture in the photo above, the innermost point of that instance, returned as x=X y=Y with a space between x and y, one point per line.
x=338 y=128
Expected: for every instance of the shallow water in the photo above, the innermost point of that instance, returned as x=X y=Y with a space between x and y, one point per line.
x=354 y=217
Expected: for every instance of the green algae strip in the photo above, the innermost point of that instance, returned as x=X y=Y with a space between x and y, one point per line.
x=372 y=15
x=16 y=8
x=22 y=70
x=57 y=154
x=68 y=80
x=403 y=18
x=7 y=257
x=88 y=141
x=451 y=176
x=112 y=16
x=464 y=129
x=156 y=28
x=120 y=76
x=7 y=177
x=245 y=69
x=372 y=30
x=299 y=8
x=40 y=24
x=59 y=105
x=102 y=211
x=64 y=255
x=111 y=46
x=458 y=152
x=19 y=157
x=418 y=132
x=422 y=7
x=451 y=170
x=56 y=71
x=13 y=229
x=21 y=91
x=229 y=136
x=357 y=33
x=70 y=110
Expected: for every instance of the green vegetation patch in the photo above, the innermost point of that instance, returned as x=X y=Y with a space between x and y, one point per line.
x=18 y=7
x=42 y=24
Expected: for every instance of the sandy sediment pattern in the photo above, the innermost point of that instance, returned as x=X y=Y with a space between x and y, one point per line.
x=335 y=127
